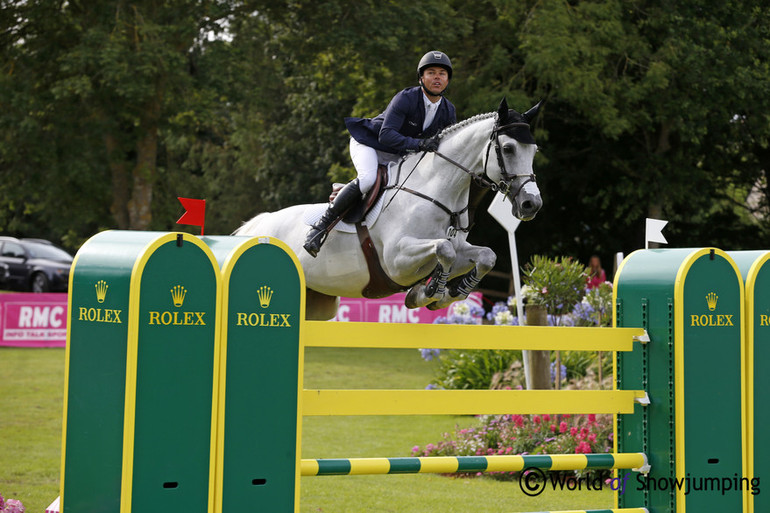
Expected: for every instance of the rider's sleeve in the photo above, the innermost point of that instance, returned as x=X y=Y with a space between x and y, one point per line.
x=395 y=118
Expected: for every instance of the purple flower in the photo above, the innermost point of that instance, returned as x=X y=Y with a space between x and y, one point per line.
x=429 y=354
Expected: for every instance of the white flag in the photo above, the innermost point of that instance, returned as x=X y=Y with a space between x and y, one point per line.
x=653 y=232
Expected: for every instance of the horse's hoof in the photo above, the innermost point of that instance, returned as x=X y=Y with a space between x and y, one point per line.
x=411 y=299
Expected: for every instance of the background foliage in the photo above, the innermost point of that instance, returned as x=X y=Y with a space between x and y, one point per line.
x=111 y=109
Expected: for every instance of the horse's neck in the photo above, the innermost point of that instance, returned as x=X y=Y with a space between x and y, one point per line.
x=466 y=147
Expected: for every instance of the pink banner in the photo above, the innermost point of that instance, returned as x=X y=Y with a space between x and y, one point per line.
x=33 y=320
x=389 y=309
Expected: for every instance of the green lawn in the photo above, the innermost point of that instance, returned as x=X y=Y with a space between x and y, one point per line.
x=31 y=385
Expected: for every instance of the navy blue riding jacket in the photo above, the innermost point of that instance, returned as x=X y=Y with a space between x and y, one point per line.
x=399 y=128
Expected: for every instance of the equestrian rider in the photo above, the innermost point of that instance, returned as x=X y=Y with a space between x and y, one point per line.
x=409 y=123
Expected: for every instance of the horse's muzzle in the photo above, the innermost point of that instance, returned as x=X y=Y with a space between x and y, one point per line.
x=527 y=206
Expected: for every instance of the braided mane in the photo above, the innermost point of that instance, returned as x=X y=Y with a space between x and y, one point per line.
x=462 y=124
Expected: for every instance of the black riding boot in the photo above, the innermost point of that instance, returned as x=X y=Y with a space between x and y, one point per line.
x=346 y=198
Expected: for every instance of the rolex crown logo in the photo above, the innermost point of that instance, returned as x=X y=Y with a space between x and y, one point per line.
x=101 y=290
x=711 y=301
x=265 y=294
x=177 y=295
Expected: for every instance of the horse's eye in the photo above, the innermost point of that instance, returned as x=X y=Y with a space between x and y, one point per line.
x=509 y=148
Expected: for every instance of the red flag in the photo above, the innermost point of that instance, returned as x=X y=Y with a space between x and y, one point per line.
x=195 y=212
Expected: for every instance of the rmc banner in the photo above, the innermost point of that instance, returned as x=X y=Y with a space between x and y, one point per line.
x=33 y=320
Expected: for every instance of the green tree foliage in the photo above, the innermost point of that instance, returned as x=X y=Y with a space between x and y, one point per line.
x=111 y=109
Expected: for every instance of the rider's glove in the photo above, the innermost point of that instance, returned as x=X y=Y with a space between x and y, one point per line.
x=429 y=144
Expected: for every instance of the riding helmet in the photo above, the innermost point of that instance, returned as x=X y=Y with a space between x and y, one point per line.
x=434 y=58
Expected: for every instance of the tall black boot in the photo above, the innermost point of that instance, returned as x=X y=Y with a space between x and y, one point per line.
x=346 y=198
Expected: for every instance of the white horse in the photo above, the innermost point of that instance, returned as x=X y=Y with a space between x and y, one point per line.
x=420 y=234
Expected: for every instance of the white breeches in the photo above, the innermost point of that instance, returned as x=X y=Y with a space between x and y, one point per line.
x=365 y=160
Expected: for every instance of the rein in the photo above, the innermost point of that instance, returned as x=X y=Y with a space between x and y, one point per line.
x=483 y=180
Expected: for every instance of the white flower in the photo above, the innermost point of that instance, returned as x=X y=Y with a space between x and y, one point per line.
x=504 y=317
x=461 y=308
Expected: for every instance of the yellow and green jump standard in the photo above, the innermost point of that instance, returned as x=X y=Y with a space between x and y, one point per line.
x=755 y=269
x=690 y=302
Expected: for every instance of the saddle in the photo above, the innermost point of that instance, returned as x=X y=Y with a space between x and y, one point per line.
x=357 y=213
x=380 y=285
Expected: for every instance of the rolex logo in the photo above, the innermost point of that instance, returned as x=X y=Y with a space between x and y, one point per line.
x=265 y=294
x=711 y=301
x=101 y=290
x=177 y=295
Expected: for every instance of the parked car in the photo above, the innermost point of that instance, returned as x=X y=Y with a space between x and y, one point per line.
x=34 y=265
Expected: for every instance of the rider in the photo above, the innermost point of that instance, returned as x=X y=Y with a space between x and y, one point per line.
x=409 y=123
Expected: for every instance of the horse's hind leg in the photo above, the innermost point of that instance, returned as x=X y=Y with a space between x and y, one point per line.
x=320 y=307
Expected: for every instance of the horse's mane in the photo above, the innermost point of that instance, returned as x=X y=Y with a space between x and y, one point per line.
x=462 y=124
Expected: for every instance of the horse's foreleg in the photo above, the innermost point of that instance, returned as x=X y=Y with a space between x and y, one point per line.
x=481 y=259
x=417 y=257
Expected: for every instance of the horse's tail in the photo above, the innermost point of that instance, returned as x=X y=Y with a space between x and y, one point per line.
x=251 y=226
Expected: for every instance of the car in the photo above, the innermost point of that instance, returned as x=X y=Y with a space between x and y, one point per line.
x=33 y=265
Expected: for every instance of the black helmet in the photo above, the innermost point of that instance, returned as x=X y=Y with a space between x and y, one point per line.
x=434 y=58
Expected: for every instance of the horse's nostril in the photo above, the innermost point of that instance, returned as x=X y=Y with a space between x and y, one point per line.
x=527 y=206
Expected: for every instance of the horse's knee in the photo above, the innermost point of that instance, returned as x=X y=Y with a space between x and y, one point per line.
x=486 y=261
x=445 y=253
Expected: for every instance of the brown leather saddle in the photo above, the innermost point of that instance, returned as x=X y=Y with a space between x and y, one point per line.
x=380 y=285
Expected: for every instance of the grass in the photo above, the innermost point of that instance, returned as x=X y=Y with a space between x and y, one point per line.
x=31 y=386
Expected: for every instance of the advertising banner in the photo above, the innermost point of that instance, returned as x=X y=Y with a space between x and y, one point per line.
x=33 y=320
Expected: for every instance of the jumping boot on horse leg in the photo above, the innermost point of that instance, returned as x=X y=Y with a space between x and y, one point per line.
x=346 y=198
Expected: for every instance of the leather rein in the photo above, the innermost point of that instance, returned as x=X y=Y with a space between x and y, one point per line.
x=483 y=180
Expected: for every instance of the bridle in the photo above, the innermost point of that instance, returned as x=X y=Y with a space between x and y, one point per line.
x=483 y=180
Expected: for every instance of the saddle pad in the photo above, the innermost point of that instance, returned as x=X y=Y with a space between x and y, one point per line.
x=314 y=212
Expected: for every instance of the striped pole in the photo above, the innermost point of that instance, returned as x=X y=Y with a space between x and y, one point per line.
x=621 y=510
x=456 y=464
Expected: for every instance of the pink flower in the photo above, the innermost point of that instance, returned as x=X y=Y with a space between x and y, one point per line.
x=536 y=419
x=583 y=448
x=572 y=430
x=415 y=449
x=553 y=428
x=562 y=427
x=544 y=291
x=518 y=420
x=592 y=418
x=546 y=417
x=14 y=506
x=592 y=437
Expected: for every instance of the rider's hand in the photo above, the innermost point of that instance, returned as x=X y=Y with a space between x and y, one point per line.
x=429 y=144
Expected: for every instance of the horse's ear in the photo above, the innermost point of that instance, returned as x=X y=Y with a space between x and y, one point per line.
x=502 y=110
x=531 y=113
